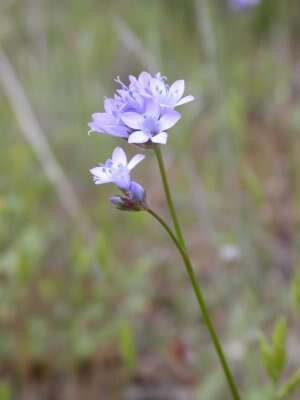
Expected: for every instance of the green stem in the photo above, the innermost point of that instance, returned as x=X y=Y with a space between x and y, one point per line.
x=180 y=244
x=202 y=305
x=168 y=195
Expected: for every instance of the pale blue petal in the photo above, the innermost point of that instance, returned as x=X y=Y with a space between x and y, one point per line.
x=161 y=138
x=185 y=100
x=135 y=160
x=98 y=172
x=152 y=110
x=176 y=90
x=169 y=119
x=121 y=178
x=138 y=137
x=144 y=78
x=119 y=156
x=132 y=119
x=136 y=192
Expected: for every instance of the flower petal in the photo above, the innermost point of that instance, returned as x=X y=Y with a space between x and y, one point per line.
x=158 y=86
x=138 y=137
x=185 y=100
x=161 y=138
x=95 y=128
x=101 y=181
x=117 y=130
x=132 y=119
x=169 y=119
x=99 y=116
x=119 y=156
x=100 y=176
x=136 y=192
x=144 y=78
x=116 y=201
x=108 y=105
x=106 y=123
x=135 y=160
x=121 y=178
x=98 y=172
x=177 y=89
x=152 y=110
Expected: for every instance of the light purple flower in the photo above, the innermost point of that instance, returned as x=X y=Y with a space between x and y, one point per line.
x=239 y=4
x=116 y=170
x=143 y=111
x=155 y=87
x=150 y=126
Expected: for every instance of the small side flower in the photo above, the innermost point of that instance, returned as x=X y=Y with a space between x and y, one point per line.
x=117 y=170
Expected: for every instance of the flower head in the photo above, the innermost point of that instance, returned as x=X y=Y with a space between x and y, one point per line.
x=150 y=125
x=117 y=170
x=155 y=87
x=143 y=111
x=238 y=4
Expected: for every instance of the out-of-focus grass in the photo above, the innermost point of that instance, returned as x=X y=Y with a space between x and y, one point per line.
x=233 y=164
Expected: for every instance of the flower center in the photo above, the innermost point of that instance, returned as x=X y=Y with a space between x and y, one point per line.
x=151 y=126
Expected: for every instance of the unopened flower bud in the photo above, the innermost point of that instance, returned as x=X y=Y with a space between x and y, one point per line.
x=136 y=192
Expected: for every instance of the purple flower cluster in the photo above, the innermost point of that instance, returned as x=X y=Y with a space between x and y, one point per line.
x=239 y=4
x=143 y=111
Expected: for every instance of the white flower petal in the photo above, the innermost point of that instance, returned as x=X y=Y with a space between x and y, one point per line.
x=177 y=89
x=161 y=138
x=119 y=156
x=135 y=160
x=185 y=100
x=98 y=172
x=138 y=137
x=101 y=181
x=100 y=176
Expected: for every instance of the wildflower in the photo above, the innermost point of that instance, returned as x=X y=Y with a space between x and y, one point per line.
x=117 y=170
x=157 y=88
x=238 y=4
x=143 y=111
x=151 y=125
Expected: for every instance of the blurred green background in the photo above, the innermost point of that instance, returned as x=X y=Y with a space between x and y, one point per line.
x=94 y=303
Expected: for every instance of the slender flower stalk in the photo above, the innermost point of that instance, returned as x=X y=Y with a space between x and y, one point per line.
x=171 y=207
x=202 y=305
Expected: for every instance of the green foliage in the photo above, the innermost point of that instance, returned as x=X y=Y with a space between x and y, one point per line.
x=127 y=345
x=295 y=290
x=273 y=352
x=5 y=391
x=261 y=393
x=289 y=386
